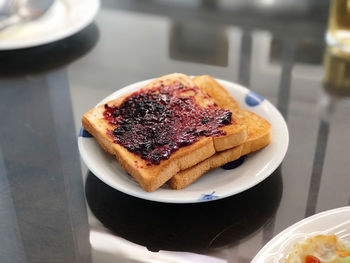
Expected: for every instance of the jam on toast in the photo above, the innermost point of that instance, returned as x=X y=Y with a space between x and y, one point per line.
x=167 y=126
x=258 y=135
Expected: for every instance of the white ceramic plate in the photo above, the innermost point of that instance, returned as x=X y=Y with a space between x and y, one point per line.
x=64 y=18
x=336 y=221
x=218 y=183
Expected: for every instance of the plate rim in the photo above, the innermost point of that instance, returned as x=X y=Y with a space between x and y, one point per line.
x=95 y=6
x=295 y=226
x=153 y=196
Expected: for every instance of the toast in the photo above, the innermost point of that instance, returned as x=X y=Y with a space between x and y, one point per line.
x=259 y=129
x=154 y=172
x=258 y=135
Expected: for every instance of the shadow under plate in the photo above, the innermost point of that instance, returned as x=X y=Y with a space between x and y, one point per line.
x=184 y=227
x=50 y=56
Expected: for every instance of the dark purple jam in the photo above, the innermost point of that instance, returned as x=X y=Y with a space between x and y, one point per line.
x=155 y=123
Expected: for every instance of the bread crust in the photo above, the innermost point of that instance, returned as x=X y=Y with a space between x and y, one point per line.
x=188 y=176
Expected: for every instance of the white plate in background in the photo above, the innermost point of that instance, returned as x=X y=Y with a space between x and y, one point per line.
x=217 y=183
x=63 y=19
x=335 y=221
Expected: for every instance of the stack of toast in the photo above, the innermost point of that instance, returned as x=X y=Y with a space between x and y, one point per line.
x=244 y=133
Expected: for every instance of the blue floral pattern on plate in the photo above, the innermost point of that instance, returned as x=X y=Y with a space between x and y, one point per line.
x=84 y=133
x=253 y=99
x=208 y=197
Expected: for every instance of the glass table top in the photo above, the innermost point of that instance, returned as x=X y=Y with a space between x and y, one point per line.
x=53 y=209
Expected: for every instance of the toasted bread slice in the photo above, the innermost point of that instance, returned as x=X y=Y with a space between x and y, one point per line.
x=259 y=131
x=210 y=86
x=258 y=136
x=258 y=128
x=152 y=176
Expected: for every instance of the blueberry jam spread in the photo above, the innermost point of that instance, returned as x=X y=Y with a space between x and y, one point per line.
x=156 y=122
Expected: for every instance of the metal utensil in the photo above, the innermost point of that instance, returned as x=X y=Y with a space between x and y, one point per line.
x=27 y=10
